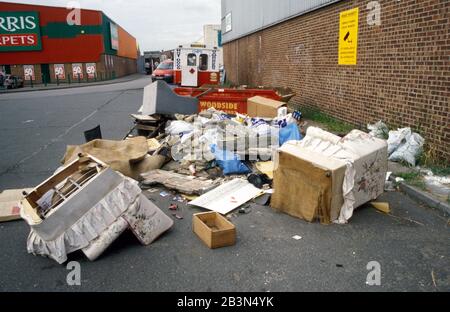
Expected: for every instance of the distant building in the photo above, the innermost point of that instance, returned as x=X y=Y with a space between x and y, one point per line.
x=38 y=43
x=212 y=36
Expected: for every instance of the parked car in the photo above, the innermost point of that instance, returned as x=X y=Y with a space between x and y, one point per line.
x=164 y=71
x=12 y=82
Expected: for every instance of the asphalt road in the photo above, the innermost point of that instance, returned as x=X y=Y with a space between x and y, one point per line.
x=412 y=246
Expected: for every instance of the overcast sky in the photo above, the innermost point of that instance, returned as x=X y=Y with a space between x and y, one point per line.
x=157 y=24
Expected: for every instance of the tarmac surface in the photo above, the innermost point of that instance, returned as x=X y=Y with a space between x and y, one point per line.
x=412 y=245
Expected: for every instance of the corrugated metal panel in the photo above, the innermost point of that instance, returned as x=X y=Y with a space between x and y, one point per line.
x=60 y=43
x=127 y=44
x=249 y=16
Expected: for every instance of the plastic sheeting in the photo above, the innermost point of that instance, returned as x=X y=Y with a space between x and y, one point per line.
x=230 y=163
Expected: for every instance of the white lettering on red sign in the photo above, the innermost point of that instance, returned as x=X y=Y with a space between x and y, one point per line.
x=12 y=23
x=18 y=40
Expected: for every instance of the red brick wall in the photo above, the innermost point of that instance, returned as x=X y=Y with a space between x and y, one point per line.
x=402 y=76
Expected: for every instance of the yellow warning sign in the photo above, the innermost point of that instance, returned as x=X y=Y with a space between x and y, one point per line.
x=348 y=37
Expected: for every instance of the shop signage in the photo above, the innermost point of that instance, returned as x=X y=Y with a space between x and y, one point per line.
x=60 y=72
x=77 y=71
x=91 y=70
x=114 y=37
x=28 y=72
x=20 y=31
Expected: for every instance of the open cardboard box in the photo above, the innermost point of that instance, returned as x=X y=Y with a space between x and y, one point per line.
x=214 y=230
x=262 y=107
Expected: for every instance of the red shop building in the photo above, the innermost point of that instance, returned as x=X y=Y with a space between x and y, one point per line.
x=45 y=44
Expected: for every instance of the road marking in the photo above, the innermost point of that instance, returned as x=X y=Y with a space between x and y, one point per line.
x=56 y=139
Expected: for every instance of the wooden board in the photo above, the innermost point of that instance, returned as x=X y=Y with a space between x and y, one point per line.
x=144 y=118
x=9 y=204
x=184 y=184
x=145 y=127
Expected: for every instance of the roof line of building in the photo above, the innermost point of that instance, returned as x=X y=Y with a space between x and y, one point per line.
x=275 y=23
x=118 y=25
x=61 y=7
x=48 y=6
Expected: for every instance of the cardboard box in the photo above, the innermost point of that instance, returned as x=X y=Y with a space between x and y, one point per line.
x=309 y=180
x=258 y=106
x=214 y=230
x=308 y=185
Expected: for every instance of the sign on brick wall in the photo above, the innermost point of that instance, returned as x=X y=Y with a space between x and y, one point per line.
x=19 y=31
x=348 y=37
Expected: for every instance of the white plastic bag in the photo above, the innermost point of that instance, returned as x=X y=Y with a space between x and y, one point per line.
x=179 y=127
x=409 y=150
x=397 y=138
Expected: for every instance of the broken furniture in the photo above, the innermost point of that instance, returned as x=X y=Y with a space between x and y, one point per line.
x=81 y=207
x=325 y=177
x=148 y=126
x=214 y=230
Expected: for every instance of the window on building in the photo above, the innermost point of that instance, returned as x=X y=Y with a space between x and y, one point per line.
x=228 y=23
x=192 y=59
x=203 y=61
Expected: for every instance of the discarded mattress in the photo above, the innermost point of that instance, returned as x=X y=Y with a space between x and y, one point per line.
x=325 y=177
x=88 y=219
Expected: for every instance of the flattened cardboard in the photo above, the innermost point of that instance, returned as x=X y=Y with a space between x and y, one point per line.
x=227 y=197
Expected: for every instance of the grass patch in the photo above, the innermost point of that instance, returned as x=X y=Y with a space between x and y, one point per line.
x=413 y=179
x=332 y=124
x=440 y=170
x=410 y=176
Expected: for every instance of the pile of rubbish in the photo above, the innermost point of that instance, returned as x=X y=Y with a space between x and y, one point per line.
x=211 y=159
